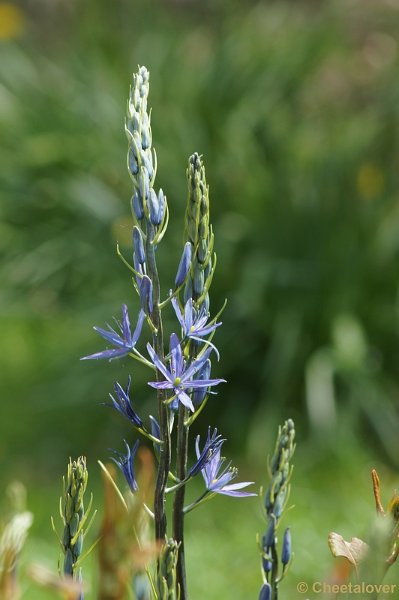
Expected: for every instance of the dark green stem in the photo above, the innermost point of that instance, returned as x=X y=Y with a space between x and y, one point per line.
x=274 y=577
x=178 y=514
x=163 y=411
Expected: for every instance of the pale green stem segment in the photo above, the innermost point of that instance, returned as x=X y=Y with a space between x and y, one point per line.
x=199 y=233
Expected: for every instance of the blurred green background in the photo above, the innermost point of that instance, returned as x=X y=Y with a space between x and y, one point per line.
x=294 y=106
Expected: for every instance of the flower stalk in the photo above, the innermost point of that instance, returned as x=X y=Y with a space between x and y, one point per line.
x=75 y=518
x=150 y=213
x=183 y=373
x=199 y=238
x=275 y=502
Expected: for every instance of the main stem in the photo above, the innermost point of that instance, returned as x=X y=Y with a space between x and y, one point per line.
x=178 y=515
x=157 y=339
x=274 y=578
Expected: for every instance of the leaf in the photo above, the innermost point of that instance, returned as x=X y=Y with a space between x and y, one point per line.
x=354 y=551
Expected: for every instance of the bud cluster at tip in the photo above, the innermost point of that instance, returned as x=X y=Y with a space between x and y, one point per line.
x=199 y=235
x=275 y=501
x=166 y=577
x=73 y=513
x=280 y=471
x=141 y=159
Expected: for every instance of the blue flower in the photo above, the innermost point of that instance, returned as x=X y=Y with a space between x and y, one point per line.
x=178 y=378
x=124 y=405
x=124 y=342
x=219 y=482
x=125 y=463
x=194 y=323
x=212 y=444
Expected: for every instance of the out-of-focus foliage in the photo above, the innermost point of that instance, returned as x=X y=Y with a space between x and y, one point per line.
x=294 y=106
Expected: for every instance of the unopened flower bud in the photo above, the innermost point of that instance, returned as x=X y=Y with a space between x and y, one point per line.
x=269 y=536
x=143 y=183
x=156 y=433
x=198 y=283
x=199 y=394
x=146 y=294
x=137 y=206
x=202 y=250
x=138 y=245
x=184 y=265
x=132 y=161
x=138 y=268
x=265 y=592
x=162 y=204
x=188 y=290
x=266 y=565
x=286 y=547
x=279 y=503
x=145 y=132
x=153 y=208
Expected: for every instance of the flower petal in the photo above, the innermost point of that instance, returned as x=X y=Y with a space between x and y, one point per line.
x=110 y=336
x=161 y=385
x=185 y=399
x=158 y=363
x=139 y=326
x=179 y=314
x=203 y=383
x=112 y=353
x=127 y=334
x=176 y=357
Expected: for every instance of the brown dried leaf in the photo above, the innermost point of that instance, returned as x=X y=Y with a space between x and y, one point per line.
x=354 y=551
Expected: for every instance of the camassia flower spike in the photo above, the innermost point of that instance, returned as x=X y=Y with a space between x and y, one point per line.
x=123 y=342
x=178 y=378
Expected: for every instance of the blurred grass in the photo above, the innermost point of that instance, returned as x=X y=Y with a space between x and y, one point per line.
x=295 y=108
x=295 y=111
x=222 y=555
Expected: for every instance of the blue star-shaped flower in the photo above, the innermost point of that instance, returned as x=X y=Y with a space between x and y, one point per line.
x=124 y=405
x=123 y=342
x=219 y=482
x=125 y=463
x=178 y=378
x=194 y=323
x=212 y=444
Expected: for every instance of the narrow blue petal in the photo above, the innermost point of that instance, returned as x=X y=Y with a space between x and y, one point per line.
x=206 y=330
x=204 y=383
x=126 y=325
x=236 y=494
x=161 y=385
x=158 y=363
x=137 y=331
x=188 y=315
x=184 y=399
x=112 y=353
x=176 y=356
x=110 y=336
x=179 y=314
